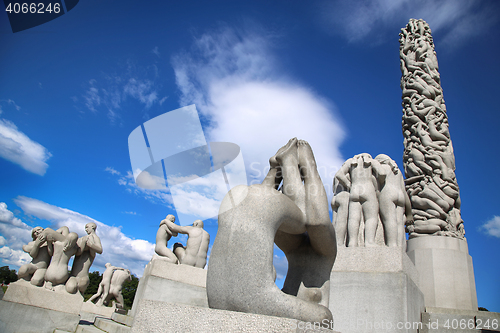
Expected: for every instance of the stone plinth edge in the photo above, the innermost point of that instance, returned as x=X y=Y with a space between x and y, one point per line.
x=24 y=293
x=156 y=316
x=162 y=268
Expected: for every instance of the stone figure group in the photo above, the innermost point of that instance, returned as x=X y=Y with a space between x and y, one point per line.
x=51 y=251
x=428 y=157
x=194 y=253
x=295 y=216
x=111 y=286
x=368 y=189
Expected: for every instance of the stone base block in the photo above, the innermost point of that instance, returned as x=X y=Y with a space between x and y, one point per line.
x=102 y=311
x=441 y=320
x=446 y=272
x=24 y=293
x=164 y=281
x=375 y=290
x=22 y=318
x=156 y=316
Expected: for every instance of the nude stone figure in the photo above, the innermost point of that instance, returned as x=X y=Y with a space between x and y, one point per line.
x=37 y=249
x=103 y=291
x=88 y=246
x=195 y=252
x=240 y=274
x=340 y=203
x=394 y=203
x=119 y=277
x=61 y=246
x=163 y=235
x=363 y=201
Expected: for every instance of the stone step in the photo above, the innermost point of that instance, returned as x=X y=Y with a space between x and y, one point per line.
x=110 y=326
x=122 y=319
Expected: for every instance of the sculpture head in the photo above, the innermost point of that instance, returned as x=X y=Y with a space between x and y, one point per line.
x=90 y=227
x=107 y=265
x=198 y=224
x=36 y=232
x=169 y=217
x=384 y=159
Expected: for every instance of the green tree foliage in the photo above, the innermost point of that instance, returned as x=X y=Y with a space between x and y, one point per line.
x=128 y=291
x=7 y=275
x=482 y=309
x=95 y=279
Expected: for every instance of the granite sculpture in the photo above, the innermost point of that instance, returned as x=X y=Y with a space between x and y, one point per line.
x=368 y=189
x=252 y=218
x=111 y=286
x=429 y=161
x=37 y=249
x=61 y=244
x=163 y=235
x=87 y=247
x=52 y=250
x=195 y=252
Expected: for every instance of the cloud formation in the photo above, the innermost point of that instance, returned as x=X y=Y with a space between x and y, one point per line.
x=17 y=147
x=455 y=21
x=119 y=249
x=15 y=234
x=232 y=78
x=492 y=227
x=112 y=91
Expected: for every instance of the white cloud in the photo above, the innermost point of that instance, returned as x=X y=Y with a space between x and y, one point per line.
x=156 y=196
x=142 y=91
x=112 y=91
x=10 y=102
x=375 y=20
x=492 y=227
x=112 y=171
x=118 y=248
x=17 y=147
x=14 y=234
x=231 y=77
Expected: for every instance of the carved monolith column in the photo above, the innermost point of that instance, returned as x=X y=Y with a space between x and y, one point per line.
x=437 y=245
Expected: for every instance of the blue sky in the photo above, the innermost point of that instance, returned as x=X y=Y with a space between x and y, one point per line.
x=259 y=72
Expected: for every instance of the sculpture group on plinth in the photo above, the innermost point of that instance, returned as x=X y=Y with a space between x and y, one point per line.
x=194 y=253
x=252 y=219
x=428 y=157
x=366 y=189
x=111 y=286
x=51 y=251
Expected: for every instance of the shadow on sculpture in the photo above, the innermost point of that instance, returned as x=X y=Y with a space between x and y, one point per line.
x=240 y=274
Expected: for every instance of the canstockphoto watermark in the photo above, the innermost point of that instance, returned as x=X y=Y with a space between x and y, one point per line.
x=315 y=325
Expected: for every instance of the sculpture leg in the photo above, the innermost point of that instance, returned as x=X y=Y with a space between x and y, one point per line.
x=240 y=275
x=38 y=277
x=353 y=223
x=370 y=213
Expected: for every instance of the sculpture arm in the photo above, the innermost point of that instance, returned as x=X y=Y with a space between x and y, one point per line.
x=342 y=174
x=94 y=243
x=176 y=228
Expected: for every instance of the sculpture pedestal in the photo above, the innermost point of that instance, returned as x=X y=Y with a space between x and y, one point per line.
x=26 y=308
x=374 y=290
x=167 y=282
x=446 y=273
x=156 y=316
